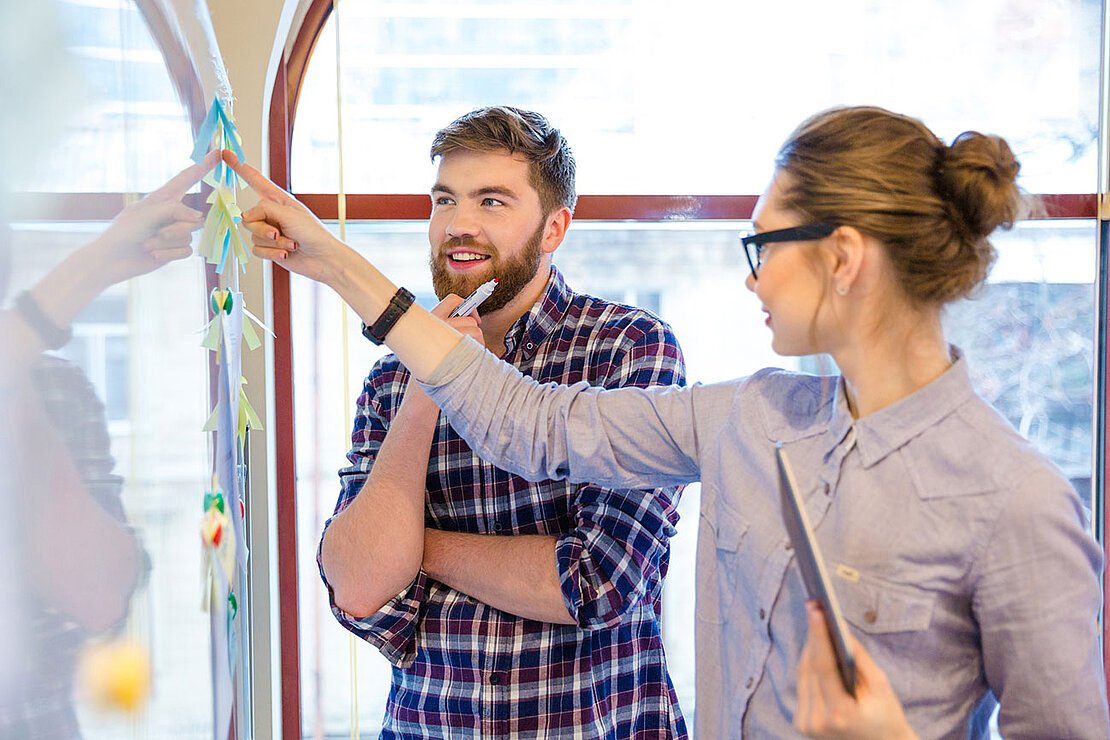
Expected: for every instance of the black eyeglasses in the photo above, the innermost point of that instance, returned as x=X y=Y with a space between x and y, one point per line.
x=755 y=243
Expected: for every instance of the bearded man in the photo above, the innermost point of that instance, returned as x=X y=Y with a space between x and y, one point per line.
x=508 y=608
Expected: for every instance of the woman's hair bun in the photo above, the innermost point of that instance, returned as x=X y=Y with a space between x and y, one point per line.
x=977 y=178
x=932 y=206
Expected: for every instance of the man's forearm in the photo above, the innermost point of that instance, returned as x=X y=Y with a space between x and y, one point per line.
x=374 y=547
x=517 y=574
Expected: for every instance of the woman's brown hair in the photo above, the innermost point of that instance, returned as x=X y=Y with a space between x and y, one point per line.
x=933 y=206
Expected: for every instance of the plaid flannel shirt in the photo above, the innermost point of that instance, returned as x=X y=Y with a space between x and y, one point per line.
x=465 y=669
x=39 y=703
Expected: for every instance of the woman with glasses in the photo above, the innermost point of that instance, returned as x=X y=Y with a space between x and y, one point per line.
x=960 y=556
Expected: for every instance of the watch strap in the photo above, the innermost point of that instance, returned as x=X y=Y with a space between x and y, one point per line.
x=398 y=304
x=50 y=333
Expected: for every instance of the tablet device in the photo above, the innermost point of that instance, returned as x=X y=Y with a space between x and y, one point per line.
x=811 y=564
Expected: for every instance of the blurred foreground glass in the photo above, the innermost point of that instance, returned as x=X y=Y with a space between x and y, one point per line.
x=134 y=363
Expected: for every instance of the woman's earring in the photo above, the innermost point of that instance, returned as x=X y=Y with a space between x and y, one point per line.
x=842 y=290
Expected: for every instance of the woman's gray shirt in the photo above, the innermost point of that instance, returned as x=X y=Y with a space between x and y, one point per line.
x=960 y=556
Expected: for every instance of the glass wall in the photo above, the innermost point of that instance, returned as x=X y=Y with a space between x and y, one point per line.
x=127 y=396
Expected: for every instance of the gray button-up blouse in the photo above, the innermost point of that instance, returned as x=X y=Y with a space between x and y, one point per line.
x=960 y=556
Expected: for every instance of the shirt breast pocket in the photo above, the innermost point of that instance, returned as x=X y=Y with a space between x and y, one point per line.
x=730 y=533
x=880 y=607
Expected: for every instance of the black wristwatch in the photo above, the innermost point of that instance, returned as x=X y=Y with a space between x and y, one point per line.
x=398 y=304
x=53 y=336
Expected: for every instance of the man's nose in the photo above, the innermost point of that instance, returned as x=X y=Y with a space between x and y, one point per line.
x=463 y=222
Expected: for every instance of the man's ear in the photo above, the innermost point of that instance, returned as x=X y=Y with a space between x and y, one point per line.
x=555 y=228
x=846 y=248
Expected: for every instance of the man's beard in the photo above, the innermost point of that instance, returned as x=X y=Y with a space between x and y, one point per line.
x=512 y=275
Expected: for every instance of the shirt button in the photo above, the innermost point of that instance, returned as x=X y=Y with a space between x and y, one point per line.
x=762 y=614
x=789 y=545
x=748 y=685
x=529 y=346
x=495 y=678
x=497 y=527
x=870 y=616
x=826 y=489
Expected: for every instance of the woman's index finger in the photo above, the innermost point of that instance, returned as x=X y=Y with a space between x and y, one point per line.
x=258 y=182
x=179 y=184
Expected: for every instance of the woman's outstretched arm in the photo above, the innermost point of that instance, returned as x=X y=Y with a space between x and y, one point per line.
x=284 y=230
x=631 y=438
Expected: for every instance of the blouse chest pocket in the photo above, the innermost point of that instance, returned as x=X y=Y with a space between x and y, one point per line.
x=730 y=535
x=729 y=529
x=880 y=607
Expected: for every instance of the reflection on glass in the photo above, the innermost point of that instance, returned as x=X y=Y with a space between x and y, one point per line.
x=137 y=349
x=125 y=130
x=118 y=445
x=115 y=371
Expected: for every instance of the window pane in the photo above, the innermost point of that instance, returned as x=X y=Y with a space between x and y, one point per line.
x=116 y=353
x=1029 y=337
x=125 y=129
x=698 y=101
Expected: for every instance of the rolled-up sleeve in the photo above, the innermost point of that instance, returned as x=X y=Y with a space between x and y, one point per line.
x=621 y=537
x=617 y=550
x=393 y=628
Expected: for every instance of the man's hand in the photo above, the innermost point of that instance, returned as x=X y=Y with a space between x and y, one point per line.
x=826 y=710
x=470 y=324
x=283 y=229
x=155 y=230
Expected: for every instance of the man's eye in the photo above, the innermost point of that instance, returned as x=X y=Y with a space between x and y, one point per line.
x=442 y=200
x=491 y=202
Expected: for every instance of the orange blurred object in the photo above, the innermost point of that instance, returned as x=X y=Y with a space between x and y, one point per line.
x=115 y=675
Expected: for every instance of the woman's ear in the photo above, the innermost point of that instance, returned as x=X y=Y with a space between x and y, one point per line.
x=846 y=249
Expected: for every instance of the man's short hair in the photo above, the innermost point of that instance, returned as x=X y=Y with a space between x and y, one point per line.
x=501 y=127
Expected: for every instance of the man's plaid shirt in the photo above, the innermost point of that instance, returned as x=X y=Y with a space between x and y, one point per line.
x=465 y=669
